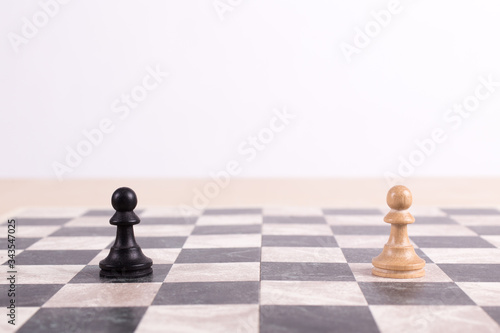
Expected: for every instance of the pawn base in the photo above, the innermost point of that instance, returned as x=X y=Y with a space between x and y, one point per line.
x=126 y=263
x=398 y=274
x=398 y=262
x=117 y=273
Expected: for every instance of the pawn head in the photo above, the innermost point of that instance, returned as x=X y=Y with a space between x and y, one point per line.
x=399 y=198
x=124 y=199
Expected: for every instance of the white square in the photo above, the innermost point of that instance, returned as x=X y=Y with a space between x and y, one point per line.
x=303 y=254
x=226 y=241
x=296 y=229
x=201 y=318
x=482 y=293
x=51 y=212
x=357 y=220
x=170 y=212
x=427 y=211
x=23 y=314
x=292 y=211
x=474 y=220
x=163 y=230
x=104 y=295
x=214 y=272
x=363 y=273
x=463 y=256
x=311 y=293
x=229 y=219
x=32 y=231
x=72 y=243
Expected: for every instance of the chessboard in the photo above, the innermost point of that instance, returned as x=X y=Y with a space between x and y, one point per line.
x=252 y=270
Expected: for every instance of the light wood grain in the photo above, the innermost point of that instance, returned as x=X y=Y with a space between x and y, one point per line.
x=398 y=259
x=472 y=192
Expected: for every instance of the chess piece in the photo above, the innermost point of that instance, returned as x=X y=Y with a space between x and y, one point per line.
x=398 y=259
x=125 y=258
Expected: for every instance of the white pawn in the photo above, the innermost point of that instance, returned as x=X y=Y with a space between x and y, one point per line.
x=398 y=259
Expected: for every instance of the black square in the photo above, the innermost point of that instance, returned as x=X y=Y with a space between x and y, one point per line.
x=190 y=256
x=306 y=271
x=472 y=272
x=352 y=211
x=493 y=312
x=100 y=212
x=434 y=220
x=414 y=293
x=232 y=211
x=208 y=293
x=42 y=221
x=361 y=229
x=21 y=242
x=365 y=255
x=295 y=219
x=451 y=242
x=471 y=211
x=90 y=274
x=486 y=229
x=158 y=242
x=28 y=294
x=227 y=229
x=299 y=241
x=318 y=319
x=169 y=220
x=106 y=212
x=111 y=320
x=354 y=255
x=56 y=257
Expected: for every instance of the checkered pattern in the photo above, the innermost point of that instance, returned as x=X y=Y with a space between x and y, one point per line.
x=250 y=270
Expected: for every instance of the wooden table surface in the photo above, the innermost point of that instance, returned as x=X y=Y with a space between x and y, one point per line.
x=471 y=192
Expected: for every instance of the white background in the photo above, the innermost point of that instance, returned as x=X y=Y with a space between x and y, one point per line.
x=226 y=76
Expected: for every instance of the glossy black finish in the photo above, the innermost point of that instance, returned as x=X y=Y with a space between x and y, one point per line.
x=90 y=274
x=124 y=201
x=125 y=259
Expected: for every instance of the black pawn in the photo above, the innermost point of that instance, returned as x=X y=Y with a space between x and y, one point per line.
x=125 y=259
